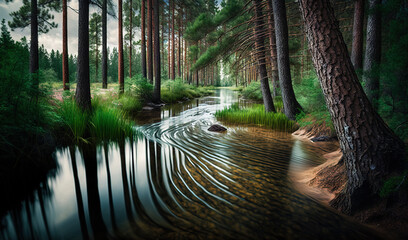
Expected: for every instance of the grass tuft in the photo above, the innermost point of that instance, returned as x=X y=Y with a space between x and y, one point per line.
x=256 y=115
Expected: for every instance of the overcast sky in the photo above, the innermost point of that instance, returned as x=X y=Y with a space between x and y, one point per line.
x=53 y=39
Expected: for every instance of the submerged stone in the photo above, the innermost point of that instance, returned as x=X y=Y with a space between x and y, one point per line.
x=217 y=128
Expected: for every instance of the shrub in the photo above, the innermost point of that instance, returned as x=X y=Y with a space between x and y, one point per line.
x=253 y=91
x=139 y=87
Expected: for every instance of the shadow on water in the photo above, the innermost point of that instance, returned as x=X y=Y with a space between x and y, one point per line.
x=179 y=181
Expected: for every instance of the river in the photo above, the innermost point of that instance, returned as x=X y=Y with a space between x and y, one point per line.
x=180 y=181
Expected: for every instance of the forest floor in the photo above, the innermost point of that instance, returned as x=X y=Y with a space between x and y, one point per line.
x=325 y=181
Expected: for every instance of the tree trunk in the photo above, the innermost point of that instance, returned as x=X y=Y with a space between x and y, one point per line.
x=272 y=43
x=373 y=52
x=260 y=49
x=121 y=73
x=149 y=42
x=358 y=25
x=179 y=44
x=34 y=43
x=370 y=149
x=83 y=90
x=157 y=73
x=130 y=38
x=291 y=107
x=96 y=54
x=172 y=59
x=142 y=9
x=104 y=45
x=65 y=70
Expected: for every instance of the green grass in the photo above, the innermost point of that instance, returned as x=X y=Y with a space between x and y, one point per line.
x=174 y=91
x=104 y=123
x=256 y=115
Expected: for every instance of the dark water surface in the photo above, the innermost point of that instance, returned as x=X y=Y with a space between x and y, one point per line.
x=180 y=181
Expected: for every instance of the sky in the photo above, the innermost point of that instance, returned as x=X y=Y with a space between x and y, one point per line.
x=53 y=39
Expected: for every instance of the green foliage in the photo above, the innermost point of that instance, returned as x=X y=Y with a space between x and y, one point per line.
x=21 y=18
x=129 y=103
x=174 y=91
x=310 y=95
x=393 y=184
x=253 y=91
x=139 y=87
x=73 y=119
x=256 y=115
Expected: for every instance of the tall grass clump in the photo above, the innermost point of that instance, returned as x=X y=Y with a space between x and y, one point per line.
x=256 y=115
x=109 y=124
x=103 y=123
x=139 y=87
x=73 y=119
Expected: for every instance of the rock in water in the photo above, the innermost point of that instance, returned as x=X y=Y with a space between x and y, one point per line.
x=217 y=128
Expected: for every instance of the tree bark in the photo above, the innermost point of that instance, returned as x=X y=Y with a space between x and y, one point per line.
x=130 y=38
x=291 y=107
x=260 y=48
x=157 y=73
x=121 y=73
x=173 y=52
x=34 y=42
x=83 y=90
x=371 y=151
x=149 y=42
x=373 y=52
x=143 y=45
x=358 y=25
x=65 y=70
x=179 y=44
x=272 y=43
x=104 y=45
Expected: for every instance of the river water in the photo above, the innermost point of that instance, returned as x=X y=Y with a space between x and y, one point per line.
x=179 y=181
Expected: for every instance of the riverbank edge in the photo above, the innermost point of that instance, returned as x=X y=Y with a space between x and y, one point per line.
x=325 y=181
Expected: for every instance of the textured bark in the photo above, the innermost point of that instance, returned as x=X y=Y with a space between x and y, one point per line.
x=149 y=42
x=65 y=70
x=173 y=52
x=34 y=42
x=121 y=74
x=157 y=72
x=358 y=25
x=130 y=38
x=260 y=47
x=83 y=90
x=143 y=37
x=373 y=52
x=291 y=107
x=272 y=46
x=370 y=149
x=179 y=44
x=104 y=45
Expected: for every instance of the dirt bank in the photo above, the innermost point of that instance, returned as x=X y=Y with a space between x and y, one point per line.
x=325 y=181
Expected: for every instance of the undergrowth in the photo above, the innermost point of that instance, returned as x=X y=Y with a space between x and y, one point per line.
x=174 y=91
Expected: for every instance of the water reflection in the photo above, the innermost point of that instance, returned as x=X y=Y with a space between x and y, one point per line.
x=180 y=181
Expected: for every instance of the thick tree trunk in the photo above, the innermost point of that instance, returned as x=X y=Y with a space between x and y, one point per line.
x=34 y=42
x=104 y=45
x=272 y=46
x=373 y=52
x=130 y=37
x=157 y=66
x=260 y=48
x=149 y=41
x=83 y=90
x=358 y=25
x=121 y=73
x=370 y=149
x=143 y=37
x=65 y=70
x=291 y=107
x=173 y=52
